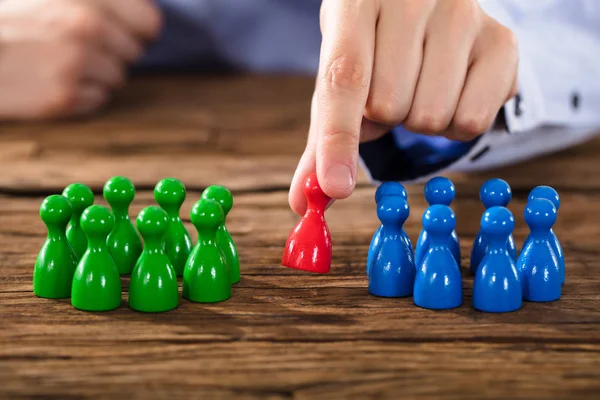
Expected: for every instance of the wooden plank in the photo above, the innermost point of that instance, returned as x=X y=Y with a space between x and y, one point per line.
x=297 y=314
x=310 y=370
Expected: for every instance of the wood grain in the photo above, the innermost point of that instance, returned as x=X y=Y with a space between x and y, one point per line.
x=284 y=333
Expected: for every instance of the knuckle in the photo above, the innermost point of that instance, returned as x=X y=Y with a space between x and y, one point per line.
x=82 y=22
x=472 y=125
x=154 y=23
x=504 y=41
x=70 y=61
x=425 y=121
x=506 y=38
x=462 y=16
x=131 y=51
x=58 y=101
x=345 y=72
x=470 y=10
x=337 y=136
x=386 y=109
x=115 y=72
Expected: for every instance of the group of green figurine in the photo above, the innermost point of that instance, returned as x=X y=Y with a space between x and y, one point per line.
x=88 y=247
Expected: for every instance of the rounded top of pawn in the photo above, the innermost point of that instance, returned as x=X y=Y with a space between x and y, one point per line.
x=206 y=214
x=392 y=210
x=313 y=192
x=546 y=192
x=170 y=193
x=495 y=192
x=540 y=214
x=221 y=195
x=440 y=190
x=80 y=196
x=152 y=221
x=119 y=191
x=390 y=188
x=97 y=220
x=439 y=219
x=56 y=210
x=497 y=220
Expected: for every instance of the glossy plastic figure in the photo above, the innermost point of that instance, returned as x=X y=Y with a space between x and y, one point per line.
x=81 y=197
x=153 y=286
x=538 y=265
x=493 y=193
x=546 y=192
x=438 y=190
x=393 y=269
x=170 y=194
x=56 y=261
x=96 y=284
x=387 y=189
x=205 y=277
x=124 y=242
x=223 y=196
x=438 y=283
x=496 y=287
x=309 y=245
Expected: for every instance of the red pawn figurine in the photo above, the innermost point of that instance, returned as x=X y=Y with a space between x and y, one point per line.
x=309 y=245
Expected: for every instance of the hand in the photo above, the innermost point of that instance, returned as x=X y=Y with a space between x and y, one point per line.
x=440 y=67
x=64 y=57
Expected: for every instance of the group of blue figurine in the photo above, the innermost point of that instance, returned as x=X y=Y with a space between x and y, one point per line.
x=431 y=272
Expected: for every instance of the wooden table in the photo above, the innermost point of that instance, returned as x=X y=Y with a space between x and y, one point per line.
x=284 y=334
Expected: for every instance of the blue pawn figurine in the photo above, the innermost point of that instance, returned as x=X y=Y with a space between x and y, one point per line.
x=438 y=190
x=496 y=287
x=493 y=193
x=538 y=265
x=546 y=192
x=387 y=189
x=393 y=271
x=438 y=283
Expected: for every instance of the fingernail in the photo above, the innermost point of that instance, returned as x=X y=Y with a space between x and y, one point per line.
x=339 y=176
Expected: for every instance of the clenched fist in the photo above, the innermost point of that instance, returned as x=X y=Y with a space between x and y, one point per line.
x=64 y=57
x=438 y=67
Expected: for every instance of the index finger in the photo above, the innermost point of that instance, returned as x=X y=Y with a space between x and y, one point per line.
x=347 y=53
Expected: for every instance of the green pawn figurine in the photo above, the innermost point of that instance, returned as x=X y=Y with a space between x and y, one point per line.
x=96 y=284
x=170 y=195
x=153 y=286
x=56 y=261
x=205 y=278
x=223 y=196
x=124 y=242
x=81 y=197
